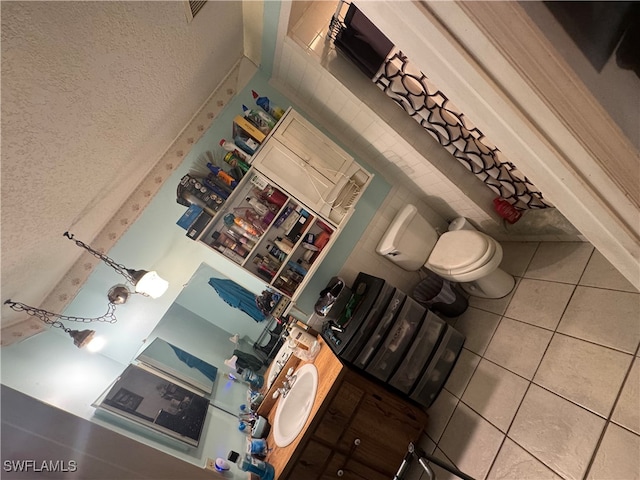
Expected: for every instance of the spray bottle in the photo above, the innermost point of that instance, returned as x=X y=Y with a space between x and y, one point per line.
x=265 y=104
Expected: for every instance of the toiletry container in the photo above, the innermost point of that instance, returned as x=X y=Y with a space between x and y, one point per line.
x=246 y=463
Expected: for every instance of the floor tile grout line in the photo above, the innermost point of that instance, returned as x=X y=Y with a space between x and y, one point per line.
x=506 y=307
x=624 y=428
x=506 y=434
x=608 y=420
x=634 y=353
x=608 y=347
x=537 y=367
x=534 y=456
x=531 y=453
x=530 y=381
x=473 y=373
x=586 y=265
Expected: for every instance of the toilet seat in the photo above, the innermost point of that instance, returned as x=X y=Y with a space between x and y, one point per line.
x=460 y=252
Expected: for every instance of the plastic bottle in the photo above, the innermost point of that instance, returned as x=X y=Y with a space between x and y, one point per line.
x=257 y=205
x=223 y=239
x=230 y=219
x=247 y=463
x=265 y=104
x=232 y=147
x=232 y=159
x=241 y=232
x=262 y=120
x=240 y=238
x=506 y=210
x=300 y=336
x=257 y=447
x=222 y=175
x=254 y=379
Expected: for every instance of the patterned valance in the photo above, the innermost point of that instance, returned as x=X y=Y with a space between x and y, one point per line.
x=406 y=85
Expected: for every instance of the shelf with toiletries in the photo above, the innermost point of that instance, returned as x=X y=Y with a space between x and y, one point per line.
x=239 y=227
x=265 y=215
x=285 y=257
x=268 y=233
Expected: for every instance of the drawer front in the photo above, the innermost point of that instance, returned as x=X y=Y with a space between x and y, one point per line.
x=379 y=434
x=343 y=468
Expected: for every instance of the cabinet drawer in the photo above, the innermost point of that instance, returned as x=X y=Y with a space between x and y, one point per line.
x=313 y=147
x=342 y=468
x=338 y=415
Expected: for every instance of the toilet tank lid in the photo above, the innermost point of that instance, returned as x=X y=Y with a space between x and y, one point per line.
x=388 y=243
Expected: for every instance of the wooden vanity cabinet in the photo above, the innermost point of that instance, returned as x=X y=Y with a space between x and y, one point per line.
x=362 y=434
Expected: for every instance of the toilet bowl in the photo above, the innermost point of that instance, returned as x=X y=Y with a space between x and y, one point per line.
x=462 y=254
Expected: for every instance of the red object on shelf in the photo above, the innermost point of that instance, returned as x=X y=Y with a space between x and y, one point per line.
x=507 y=211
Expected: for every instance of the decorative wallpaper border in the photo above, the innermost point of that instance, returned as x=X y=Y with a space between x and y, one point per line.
x=66 y=290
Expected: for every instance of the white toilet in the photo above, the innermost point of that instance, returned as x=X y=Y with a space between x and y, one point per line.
x=462 y=254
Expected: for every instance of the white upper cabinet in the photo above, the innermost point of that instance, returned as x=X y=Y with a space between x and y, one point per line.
x=311 y=146
x=309 y=166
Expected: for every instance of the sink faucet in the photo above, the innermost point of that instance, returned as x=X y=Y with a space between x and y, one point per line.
x=287 y=384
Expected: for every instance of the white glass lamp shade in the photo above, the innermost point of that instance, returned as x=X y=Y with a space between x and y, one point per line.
x=152 y=284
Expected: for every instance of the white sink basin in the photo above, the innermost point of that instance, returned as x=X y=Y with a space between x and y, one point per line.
x=293 y=410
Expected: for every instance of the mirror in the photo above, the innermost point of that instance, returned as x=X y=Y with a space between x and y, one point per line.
x=157 y=404
x=180 y=365
x=201 y=323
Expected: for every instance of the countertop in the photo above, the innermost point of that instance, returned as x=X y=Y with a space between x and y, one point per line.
x=330 y=369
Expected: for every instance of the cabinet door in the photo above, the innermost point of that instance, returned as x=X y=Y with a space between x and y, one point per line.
x=313 y=147
x=381 y=429
x=338 y=416
x=312 y=462
x=293 y=174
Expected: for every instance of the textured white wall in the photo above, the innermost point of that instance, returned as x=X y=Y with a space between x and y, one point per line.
x=93 y=93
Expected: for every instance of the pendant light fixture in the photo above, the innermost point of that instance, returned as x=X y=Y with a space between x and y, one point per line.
x=147 y=283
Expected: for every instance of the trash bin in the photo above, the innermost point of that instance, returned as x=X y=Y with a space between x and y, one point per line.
x=440 y=296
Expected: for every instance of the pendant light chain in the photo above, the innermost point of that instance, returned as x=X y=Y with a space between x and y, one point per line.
x=118 y=267
x=48 y=317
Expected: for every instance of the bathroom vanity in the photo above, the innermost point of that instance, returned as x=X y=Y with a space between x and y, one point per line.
x=356 y=428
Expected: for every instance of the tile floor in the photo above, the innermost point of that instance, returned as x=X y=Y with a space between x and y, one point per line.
x=547 y=384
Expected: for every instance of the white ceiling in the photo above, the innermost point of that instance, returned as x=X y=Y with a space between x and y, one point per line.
x=93 y=93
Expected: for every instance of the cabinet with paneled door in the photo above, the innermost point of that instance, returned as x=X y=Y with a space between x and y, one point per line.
x=279 y=226
x=363 y=434
x=312 y=168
